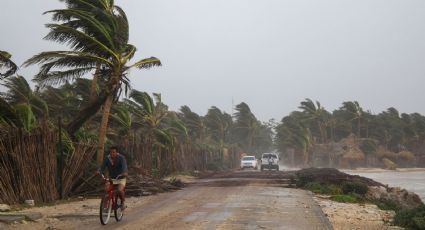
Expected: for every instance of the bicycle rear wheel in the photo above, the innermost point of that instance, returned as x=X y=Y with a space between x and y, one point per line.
x=105 y=210
x=118 y=208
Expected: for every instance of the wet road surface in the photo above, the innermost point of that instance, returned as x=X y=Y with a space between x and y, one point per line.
x=235 y=202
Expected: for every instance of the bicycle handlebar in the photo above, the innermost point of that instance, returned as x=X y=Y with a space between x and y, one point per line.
x=117 y=178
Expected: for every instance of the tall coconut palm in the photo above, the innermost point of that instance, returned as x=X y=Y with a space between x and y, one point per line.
x=7 y=64
x=218 y=124
x=98 y=34
x=318 y=114
x=293 y=133
x=148 y=115
x=355 y=113
x=245 y=127
x=168 y=136
x=194 y=123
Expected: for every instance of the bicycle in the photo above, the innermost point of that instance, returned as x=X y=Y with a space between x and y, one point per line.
x=110 y=201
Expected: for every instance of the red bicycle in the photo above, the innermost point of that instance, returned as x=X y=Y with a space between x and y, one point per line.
x=111 y=201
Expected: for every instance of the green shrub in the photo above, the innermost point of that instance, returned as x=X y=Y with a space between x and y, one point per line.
x=412 y=219
x=354 y=187
x=387 y=205
x=350 y=198
x=317 y=187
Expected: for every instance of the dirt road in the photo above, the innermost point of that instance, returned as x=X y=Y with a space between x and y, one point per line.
x=241 y=200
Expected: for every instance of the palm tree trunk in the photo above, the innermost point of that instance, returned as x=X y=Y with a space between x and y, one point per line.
x=87 y=112
x=103 y=129
x=94 y=83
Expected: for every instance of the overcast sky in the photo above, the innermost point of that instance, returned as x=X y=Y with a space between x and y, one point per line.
x=270 y=54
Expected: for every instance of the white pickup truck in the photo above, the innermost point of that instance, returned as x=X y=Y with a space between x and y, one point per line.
x=269 y=161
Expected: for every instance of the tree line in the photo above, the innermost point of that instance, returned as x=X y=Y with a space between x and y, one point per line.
x=390 y=131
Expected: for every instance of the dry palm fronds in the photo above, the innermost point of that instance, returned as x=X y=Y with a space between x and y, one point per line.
x=28 y=166
x=75 y=164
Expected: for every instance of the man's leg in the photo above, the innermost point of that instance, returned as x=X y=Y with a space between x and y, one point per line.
x=121 y=194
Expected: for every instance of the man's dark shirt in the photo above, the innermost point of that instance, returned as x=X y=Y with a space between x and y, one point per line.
x=115 y=167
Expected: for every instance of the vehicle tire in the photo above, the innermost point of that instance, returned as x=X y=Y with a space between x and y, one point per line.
x=118 y=208
x=105 y=210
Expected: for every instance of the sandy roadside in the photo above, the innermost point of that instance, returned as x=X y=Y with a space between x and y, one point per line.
x=346 y=216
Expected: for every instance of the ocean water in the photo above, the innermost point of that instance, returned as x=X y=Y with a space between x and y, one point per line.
x=412 y=180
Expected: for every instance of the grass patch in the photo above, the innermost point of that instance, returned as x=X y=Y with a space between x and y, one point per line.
x=328 y=189
x=345 y=198
x=354 y=187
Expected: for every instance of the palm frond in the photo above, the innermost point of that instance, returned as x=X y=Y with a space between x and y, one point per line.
x=78 y=40
x=86 y=22
x=52 y=56
x=143 y=99
x=5 y=62
x=147 y=63
x=59 y=77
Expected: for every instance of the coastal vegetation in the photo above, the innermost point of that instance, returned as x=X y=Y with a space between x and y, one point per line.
x=350 y=137
x=345 y=188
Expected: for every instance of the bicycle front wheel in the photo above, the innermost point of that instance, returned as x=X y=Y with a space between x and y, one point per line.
x=105 y=209
x=118 y=208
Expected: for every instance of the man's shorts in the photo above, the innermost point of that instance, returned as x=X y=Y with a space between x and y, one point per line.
x=119 y=181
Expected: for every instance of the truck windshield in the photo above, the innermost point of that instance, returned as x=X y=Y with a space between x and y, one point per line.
x=248 y=158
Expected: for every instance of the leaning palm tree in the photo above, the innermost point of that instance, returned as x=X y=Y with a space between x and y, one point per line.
x=98 y=34
x=149 y=115
x=218 y=124
x=7 y=64
x=194 y=123
x=20 y=92
x=318 y=114
x=246 y=126
x=355 y=113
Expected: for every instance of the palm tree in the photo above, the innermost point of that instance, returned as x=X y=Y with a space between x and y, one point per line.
x=293 y=133
x=318 y=114
x=218 y=124
x=355 y=113
x=169 y=135
x=148 y=116
x=7 y=64
x=20 y=92
x=245 y=127
x=98 y=35
x=194 y=123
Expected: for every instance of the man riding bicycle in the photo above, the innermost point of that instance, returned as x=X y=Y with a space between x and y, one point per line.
x=117 y=168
